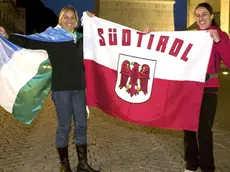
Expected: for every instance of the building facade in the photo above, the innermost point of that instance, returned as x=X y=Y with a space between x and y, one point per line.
x=139 y=13
x=12 y=17
x=158 y=14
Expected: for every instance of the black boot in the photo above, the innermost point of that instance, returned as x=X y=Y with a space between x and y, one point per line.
x=63 y=155
x=83 y=165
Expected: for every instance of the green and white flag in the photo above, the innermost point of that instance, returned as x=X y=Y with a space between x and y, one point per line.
x=25 y=77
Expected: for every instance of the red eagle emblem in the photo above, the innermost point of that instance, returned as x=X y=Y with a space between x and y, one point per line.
x=133 y=75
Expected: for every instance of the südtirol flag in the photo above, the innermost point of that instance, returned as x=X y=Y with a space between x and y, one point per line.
x=154 y=79
x=24 y=80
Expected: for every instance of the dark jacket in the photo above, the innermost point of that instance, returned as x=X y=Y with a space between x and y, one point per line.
x=66 y=58
x=80 y=29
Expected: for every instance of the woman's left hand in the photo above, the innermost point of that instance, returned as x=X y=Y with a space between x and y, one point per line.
x=90 y=14
x=214 y=34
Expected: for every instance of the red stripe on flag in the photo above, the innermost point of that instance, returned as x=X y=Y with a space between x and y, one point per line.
x=172 y=105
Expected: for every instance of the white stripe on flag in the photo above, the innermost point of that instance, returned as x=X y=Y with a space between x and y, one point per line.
x=17 y=72
x=168 y=67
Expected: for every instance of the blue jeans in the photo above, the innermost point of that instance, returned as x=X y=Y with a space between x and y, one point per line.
x=70 y=104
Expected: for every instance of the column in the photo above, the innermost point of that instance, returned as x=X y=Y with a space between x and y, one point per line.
x=225 y=15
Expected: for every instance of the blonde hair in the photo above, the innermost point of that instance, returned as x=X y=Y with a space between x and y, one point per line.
x=64 y=10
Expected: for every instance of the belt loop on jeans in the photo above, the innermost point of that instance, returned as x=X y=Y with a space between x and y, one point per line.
x=210 y=76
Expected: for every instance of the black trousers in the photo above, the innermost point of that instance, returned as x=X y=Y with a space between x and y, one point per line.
x=199 y=146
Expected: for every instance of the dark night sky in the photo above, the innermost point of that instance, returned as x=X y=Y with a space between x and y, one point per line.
x=79 y=5
x=180 y=9
x=41 y=14
x=180 y=14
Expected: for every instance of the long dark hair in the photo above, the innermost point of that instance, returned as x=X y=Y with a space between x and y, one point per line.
x=210 y=9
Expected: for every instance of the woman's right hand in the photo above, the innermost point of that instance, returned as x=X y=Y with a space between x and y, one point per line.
x=148 y=30
x=3 y=32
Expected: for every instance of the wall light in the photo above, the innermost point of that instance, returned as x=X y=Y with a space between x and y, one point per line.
x=225 y=73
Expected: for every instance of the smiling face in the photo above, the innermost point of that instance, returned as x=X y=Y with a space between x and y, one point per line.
x=203 y=18
x=68 y=18
x=69 y=21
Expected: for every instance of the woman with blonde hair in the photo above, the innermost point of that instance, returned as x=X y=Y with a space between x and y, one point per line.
x=64 y=46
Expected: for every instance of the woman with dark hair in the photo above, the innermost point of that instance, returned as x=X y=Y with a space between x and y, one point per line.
x=199 y=146
x=67 y=84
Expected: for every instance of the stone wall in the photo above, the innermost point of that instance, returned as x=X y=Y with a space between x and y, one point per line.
x=139 y=14
x=158 y=14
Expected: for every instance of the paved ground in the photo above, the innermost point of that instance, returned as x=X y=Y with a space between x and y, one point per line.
x=114 y=145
